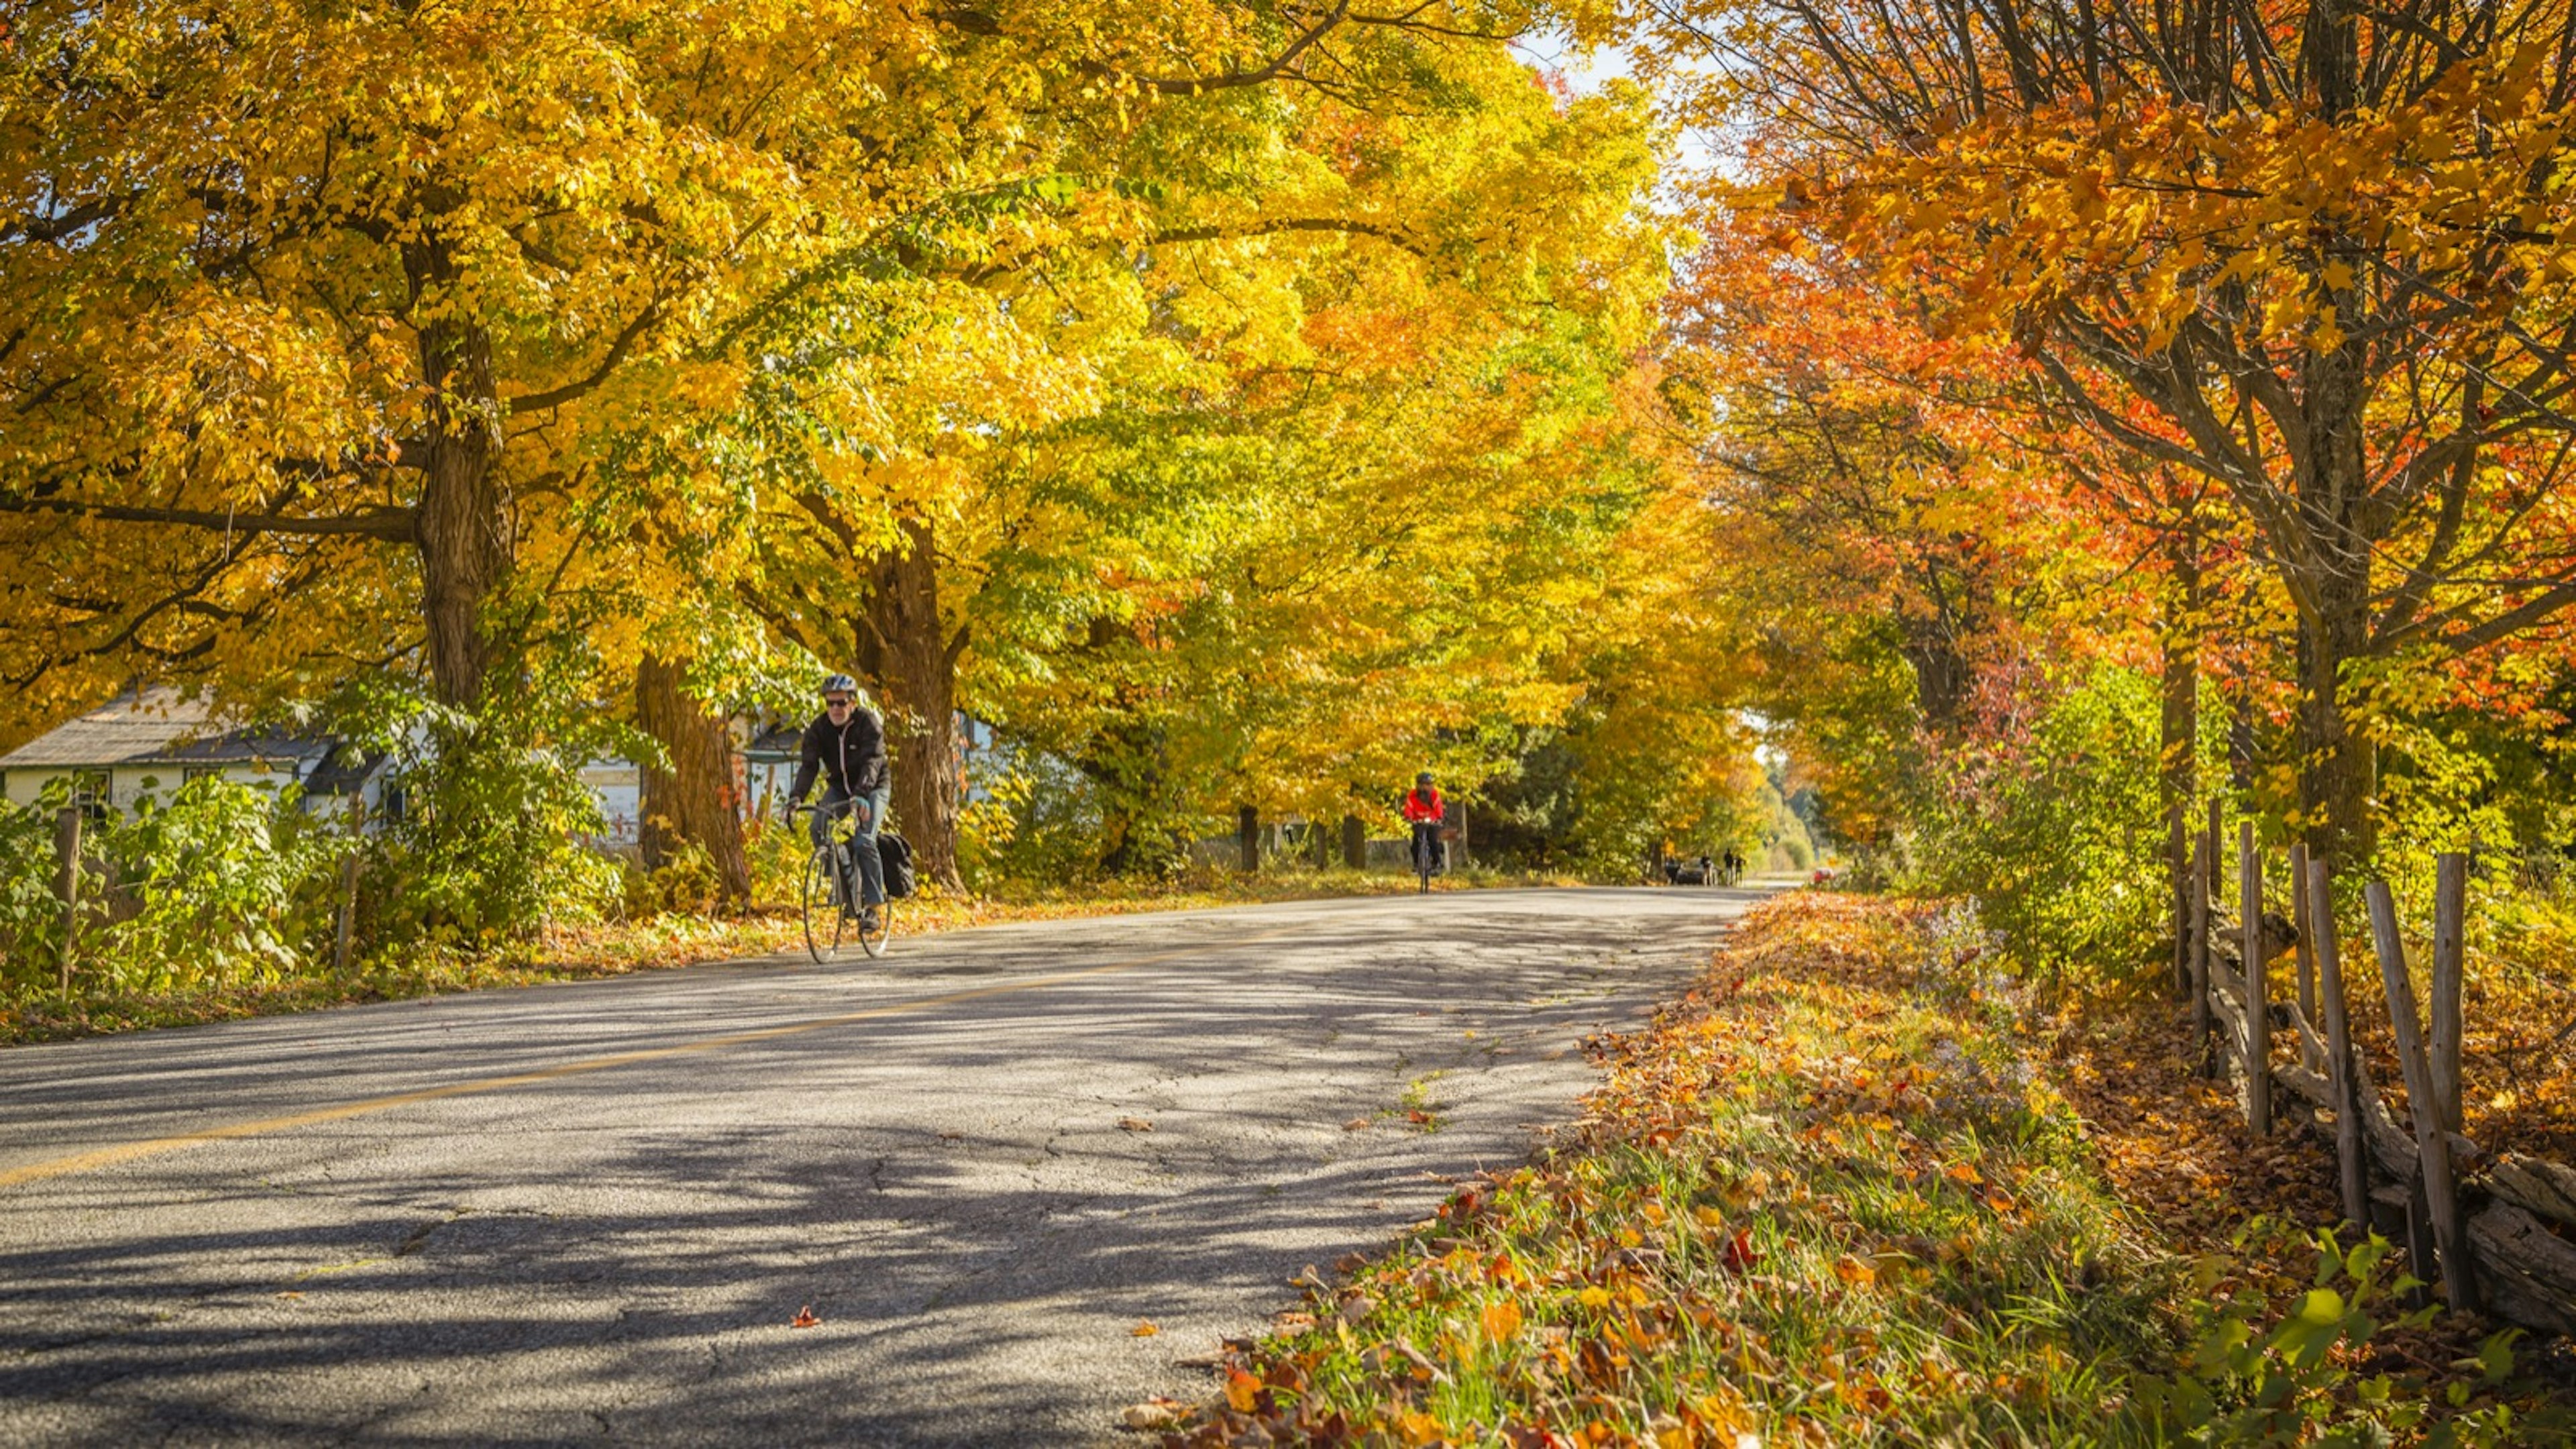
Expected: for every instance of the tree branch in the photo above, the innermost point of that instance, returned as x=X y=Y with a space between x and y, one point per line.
x=396 y=525
x=1272 y=227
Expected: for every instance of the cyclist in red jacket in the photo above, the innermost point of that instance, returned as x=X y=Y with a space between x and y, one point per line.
x=1424 y=810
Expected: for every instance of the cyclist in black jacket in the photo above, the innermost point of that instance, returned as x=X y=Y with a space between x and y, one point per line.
x=846 y=743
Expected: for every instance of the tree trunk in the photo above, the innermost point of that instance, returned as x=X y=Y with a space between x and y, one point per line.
x=2338 y=766
x=463 y=529
x=913 y=663
x=2344 y=526
x=1247 y=838
x=696 y=799
x=2179 y=772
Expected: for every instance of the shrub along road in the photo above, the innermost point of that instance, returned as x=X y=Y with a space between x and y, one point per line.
x=597 y=1209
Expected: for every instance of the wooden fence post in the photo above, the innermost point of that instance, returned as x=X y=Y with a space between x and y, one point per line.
x=2217 y=832
x=2432 y=1143
x=2258 y=1008
x=2200 y=874
x=2303 y=924
x=2352 y=1169
x=67 y=854
x=2450 y=909
x=345 y=938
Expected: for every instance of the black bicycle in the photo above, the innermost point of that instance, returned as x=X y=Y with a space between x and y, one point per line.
x=834 y=922
x=1429 y=837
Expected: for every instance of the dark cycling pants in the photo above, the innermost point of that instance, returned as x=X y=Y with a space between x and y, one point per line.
x=863 y=838
x=1426 y=845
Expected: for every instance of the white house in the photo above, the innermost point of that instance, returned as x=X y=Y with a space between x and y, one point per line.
x=153 y=741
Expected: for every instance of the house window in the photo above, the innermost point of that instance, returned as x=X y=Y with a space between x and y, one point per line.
x=90 y=792
x=191 y=773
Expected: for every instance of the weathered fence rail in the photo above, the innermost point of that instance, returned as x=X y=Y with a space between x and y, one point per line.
x=2491 y=1229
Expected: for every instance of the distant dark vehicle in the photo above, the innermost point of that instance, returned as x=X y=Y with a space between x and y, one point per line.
x=1703 y=871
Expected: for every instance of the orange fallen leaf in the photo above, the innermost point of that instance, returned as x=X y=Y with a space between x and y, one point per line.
x=1356 y=1124
x=804 y=1318
x=1145 y=1328
x=1134 y=1124
x=1855 y=1272
x=1242 y=1390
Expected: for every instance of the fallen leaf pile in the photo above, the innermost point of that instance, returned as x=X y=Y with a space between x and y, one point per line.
x=2174 y=1145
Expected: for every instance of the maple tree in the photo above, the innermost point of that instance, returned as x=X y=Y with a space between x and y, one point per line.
x=488 y=332
x=281 y=278
x=1893 y=527
x=2308 y=254
x=1214 y=510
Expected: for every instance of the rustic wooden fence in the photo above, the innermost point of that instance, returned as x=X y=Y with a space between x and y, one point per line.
x=2487 y=1227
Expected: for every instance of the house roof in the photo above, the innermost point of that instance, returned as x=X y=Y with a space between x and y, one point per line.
x=344 y=771
x=778 y=742
x=157 y=726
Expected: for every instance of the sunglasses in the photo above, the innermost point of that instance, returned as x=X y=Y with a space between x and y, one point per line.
x=835 y=702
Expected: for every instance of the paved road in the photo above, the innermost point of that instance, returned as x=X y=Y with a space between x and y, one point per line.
x=588 y=1212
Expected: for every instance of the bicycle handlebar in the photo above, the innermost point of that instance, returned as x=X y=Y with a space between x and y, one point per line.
x=852 y=803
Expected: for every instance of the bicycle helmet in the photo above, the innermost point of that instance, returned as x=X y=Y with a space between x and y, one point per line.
x=1422 y=781
x=841 y=684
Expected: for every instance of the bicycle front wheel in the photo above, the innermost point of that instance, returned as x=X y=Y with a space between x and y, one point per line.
x=825 y=930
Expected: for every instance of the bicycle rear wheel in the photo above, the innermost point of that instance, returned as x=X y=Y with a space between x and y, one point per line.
x=825 y=929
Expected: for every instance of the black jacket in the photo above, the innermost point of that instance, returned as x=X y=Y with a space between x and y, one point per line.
x=852 y=756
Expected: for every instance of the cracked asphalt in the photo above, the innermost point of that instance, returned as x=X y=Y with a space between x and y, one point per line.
x=592 y=1210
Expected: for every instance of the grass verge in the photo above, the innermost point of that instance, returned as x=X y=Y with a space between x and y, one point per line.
x=1831 y=1197
x=660 y=941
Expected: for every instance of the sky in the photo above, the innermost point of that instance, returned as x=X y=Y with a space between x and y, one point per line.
x=1585 y=72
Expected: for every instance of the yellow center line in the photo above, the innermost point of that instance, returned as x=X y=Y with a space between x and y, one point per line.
x=129 y=1151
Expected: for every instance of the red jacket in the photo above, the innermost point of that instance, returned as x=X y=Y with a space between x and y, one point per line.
x=1418 y=810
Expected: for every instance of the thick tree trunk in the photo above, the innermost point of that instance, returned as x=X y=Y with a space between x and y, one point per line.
x=908 y=654
x=696 y=799
x=2344 y=526
x=463 y=528
x=2338 y=766
x=1247 y=838
x=1942 y=677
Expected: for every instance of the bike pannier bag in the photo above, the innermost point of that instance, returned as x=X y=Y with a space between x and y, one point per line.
x=896 y=853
